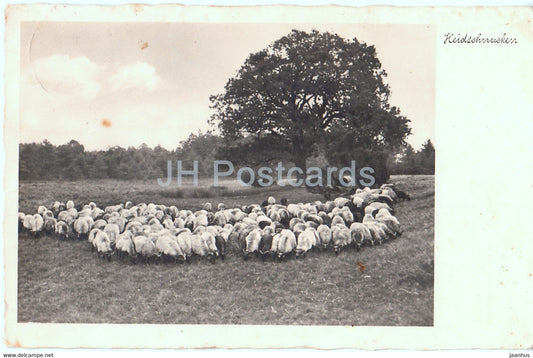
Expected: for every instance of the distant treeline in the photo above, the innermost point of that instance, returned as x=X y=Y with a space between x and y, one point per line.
x=410 y=161
x=46 y=161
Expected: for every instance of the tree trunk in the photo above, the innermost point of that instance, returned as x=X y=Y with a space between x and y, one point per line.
x=300 y=161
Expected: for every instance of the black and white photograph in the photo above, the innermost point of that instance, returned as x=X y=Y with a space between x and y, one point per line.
x=233 y=173
x=257 y=174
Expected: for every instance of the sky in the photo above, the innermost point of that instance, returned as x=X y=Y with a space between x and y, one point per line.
x=125 y=84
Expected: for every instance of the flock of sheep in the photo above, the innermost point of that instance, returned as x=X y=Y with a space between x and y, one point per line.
x=149 y=231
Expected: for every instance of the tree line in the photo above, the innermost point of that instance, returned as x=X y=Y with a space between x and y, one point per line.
x=46 y=161
x=409 y=161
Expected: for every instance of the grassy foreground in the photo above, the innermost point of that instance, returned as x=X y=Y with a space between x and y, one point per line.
x=383 y=285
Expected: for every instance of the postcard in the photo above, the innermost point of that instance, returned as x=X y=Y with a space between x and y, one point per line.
x=268 y=177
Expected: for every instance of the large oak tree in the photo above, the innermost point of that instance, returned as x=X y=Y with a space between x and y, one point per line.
x=304 y=93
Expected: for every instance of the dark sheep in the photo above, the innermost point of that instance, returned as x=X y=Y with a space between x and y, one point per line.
x=220 y=243
x=402 y=195
x=265 y=245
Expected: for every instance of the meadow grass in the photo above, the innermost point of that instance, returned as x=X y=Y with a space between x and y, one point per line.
x=388 y=285
x=110 y=192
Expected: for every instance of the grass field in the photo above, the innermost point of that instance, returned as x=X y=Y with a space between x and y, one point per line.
x=383 y=285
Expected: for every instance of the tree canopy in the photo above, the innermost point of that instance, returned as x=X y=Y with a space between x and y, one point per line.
x=304 y=93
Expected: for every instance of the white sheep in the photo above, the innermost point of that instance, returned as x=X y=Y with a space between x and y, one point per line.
x=92 y=236
x=329 y=206
x=293 y=209
x=99 y=224
x=82 y=226
x=341 y=237
x=388 y=219
x=173 y=211
x=283 y=244
x=129 y=214
x=120 y=222
x=251 y=243
x=294 y=221
x=225 y=232
x=341 y=202
x=376 y=229
x=41 y=209
x=360 y=234
x=103 y=245
x=159 y=214
x=56 y=206
x=249 y=221
x=200 y=220
x=199 y=245
x=184 y=241
x=37 y=225
x=234 y=215
x=85 y=212
x=113 y=208
x=124 y=245
x=27 y=223
x=179 y=223
x=306 y=241
x=210 y=242
x=325 y=235
x=21 y=217
x=67 y=216
x=299 y=228
x=346 y=215
x=97 y=213
x=145 y=247
x=219 y=219
x=169 y=248
x=112 y=231
x=168 y=223
x=358 y=201
x=337 y=220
